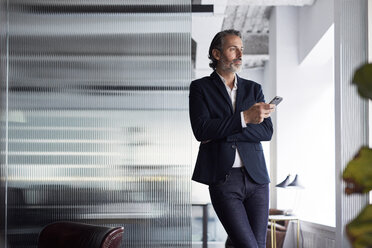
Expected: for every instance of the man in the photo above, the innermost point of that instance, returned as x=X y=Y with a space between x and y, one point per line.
x=229 y=117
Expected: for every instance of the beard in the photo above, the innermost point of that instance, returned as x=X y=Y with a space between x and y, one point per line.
x=231 y=66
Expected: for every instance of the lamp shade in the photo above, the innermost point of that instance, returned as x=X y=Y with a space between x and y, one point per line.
x=295 y=183
x=284 y=184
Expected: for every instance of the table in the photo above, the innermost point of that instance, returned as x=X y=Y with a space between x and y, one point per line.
x=205 y=222
x=274 y=218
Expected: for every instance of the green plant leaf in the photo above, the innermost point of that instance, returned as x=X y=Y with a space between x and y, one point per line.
x=363 y=79
x=358 y=172
x=359 y=230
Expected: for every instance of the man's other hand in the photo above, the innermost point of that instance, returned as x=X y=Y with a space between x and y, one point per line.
x=258 y=112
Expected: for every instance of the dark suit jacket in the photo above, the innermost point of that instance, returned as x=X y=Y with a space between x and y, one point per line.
x=212 y=118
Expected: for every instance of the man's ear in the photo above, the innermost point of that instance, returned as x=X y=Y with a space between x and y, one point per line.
x=216 y=54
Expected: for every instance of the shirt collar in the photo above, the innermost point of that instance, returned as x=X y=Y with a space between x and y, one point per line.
x=235 y=81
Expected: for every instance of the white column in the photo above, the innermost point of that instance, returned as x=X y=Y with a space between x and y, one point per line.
x=351 y=110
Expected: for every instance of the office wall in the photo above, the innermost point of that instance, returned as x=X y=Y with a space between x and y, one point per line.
x=313 y=21
x=304 y=123
x=97 y=118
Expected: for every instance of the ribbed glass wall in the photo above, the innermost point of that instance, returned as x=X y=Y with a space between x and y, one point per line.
x=3 y=107
x=97 y=127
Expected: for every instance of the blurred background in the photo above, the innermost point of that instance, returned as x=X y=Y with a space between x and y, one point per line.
x=94 y=113
x=95 y=95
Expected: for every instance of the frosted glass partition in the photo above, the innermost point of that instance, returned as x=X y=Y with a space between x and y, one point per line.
x=97 y=124
x=3 y=75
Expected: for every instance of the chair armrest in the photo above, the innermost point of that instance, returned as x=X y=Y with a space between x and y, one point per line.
x=78 y=235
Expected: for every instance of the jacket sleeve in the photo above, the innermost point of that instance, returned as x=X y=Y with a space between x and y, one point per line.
x=203 y=125
x=255 y=132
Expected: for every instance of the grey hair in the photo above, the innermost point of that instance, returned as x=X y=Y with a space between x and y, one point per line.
x=217 y=43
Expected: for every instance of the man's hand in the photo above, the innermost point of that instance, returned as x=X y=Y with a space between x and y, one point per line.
x=258 y=112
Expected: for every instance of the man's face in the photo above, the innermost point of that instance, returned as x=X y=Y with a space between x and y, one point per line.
x=230 y=58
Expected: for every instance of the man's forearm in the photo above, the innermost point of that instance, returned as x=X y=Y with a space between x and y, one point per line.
x=254 y=132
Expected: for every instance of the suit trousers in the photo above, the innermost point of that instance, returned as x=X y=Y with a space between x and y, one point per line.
x=242 y=206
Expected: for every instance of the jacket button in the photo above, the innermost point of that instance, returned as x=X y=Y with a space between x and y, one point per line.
x=233 y=146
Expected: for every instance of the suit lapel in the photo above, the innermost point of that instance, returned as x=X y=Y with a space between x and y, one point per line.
x=222 y=88
x=239 y=93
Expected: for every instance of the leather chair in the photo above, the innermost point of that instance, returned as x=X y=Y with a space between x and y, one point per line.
x=65 y=234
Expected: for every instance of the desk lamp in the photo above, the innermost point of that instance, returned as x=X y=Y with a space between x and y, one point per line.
x=294 y=184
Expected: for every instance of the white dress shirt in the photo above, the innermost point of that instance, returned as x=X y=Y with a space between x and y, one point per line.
x=232 y=93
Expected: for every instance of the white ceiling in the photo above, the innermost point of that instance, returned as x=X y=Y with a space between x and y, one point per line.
x=271 y=2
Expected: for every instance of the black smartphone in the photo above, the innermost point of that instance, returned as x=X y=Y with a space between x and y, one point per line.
x=276 y=100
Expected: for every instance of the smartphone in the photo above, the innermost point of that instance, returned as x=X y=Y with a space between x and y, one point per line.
x=276 y=100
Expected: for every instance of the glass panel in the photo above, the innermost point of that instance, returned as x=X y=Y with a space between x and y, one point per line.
x=98 y=121
x=3 y=116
